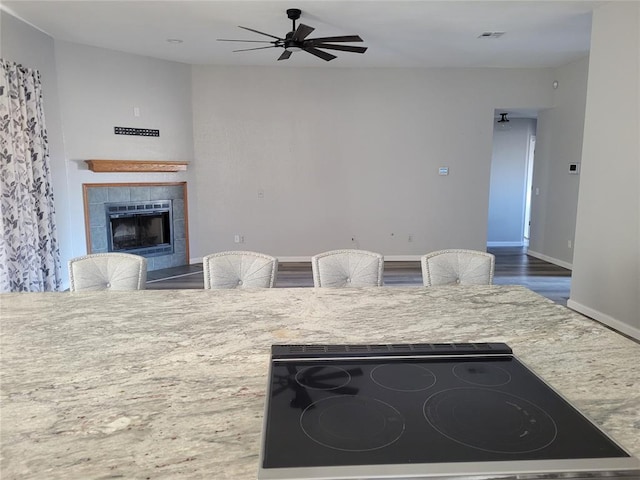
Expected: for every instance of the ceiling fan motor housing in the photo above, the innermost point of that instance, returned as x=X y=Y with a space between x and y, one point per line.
x=290 y=44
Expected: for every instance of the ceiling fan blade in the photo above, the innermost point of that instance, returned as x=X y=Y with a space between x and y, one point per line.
x=344 y=38
x=302 y=32
x=286 y=54
x=344 y=48
x=319 y=53
x=257 y=48
x=261 y=33
x=249 y=41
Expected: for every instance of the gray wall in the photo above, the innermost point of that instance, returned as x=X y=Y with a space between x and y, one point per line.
x=606 y=274
x=299 y=161
x=558 y=143
x=508 y=182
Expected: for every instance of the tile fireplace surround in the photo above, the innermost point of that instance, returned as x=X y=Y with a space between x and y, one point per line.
x=97 y=194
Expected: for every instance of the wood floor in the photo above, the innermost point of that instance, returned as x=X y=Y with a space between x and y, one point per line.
x=513 y=267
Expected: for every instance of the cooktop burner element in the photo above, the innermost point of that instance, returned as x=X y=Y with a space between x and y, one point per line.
x=352 y=423
x=490 y=420
x=479 y=373
x=326 y=377
x=403 y=377
x=451 y=411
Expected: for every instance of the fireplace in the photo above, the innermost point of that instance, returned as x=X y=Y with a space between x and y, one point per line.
x=167 y=199
x=141 y=228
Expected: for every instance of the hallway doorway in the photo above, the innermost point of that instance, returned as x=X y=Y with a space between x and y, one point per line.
x=511 y=179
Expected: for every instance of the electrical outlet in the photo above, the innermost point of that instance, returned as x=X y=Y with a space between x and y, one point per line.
x=236 y=238
x=569 y=243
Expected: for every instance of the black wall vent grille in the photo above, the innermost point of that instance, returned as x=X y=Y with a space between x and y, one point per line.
x=143 y=132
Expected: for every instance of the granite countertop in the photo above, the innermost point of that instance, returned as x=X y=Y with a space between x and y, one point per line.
x=171 y=384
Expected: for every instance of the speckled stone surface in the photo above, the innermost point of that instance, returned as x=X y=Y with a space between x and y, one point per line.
x=170 y=384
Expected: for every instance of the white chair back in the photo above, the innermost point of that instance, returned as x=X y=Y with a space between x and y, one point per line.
x=347 y=268
x=457 y=267
x=239 y=269
x=108 y=271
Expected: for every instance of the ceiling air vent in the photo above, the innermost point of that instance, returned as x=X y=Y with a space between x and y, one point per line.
x=491 y=34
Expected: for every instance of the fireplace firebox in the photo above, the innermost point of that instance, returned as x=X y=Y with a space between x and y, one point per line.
x=141 y=228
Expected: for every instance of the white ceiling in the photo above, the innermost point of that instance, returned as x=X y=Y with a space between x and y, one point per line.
x=418 y=33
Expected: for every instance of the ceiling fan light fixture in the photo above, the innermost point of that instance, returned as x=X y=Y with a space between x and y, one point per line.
x=290 y=45
x=491 y=34
x=503 y=118
x=503 y=123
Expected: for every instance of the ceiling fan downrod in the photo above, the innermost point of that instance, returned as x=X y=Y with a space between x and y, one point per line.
x=294 y=14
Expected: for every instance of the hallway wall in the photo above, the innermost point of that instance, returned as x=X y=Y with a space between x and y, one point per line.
x=558 y=143
x=606 y=275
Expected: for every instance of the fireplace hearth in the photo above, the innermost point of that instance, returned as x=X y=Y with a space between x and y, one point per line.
x=141 y=228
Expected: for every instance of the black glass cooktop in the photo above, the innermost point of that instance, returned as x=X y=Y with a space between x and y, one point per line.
x=417 y=404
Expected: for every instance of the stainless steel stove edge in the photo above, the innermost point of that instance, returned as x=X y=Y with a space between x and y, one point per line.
x=583 y=469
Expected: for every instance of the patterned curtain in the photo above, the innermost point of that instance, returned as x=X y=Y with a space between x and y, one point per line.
x=29 y=255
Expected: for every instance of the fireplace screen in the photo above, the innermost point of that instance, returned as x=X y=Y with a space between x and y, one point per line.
x=140 y=228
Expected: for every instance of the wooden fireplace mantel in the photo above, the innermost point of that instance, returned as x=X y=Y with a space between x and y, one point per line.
x=135 y=166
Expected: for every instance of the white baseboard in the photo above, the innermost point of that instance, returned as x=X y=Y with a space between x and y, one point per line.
x=407 y=258
x=295 y=259
x=549 y=259
x=604 y=318
x=402 y=258
x=387 y=258
x=505 y=244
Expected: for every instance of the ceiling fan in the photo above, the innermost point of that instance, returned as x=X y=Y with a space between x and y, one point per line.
x=296 y=40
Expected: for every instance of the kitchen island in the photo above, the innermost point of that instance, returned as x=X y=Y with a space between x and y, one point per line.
x=171 y=384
